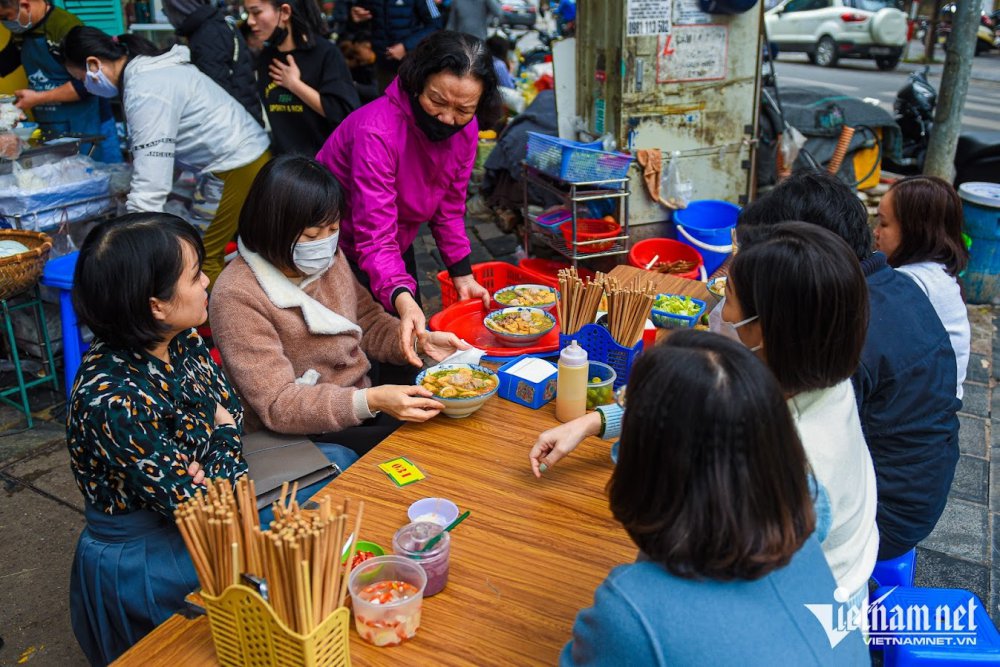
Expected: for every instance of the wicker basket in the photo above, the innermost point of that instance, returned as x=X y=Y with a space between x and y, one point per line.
x=21 y=271
x=247 y=633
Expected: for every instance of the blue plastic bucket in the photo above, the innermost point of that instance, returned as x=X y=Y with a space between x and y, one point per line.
x=707 y=226
x=981 y=206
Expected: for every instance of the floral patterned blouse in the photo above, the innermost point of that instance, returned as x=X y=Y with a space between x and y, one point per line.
x=135 y=424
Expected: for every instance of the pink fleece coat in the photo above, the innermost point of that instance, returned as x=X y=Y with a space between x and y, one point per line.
x=395 y=179
x=266 y=347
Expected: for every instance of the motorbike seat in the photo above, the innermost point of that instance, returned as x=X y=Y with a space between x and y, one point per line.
x=976 y=145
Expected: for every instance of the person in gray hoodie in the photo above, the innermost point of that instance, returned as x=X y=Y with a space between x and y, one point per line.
x=472 y=16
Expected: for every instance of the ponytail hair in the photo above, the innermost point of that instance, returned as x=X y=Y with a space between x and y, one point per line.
x=84 y=42
x=307 y=22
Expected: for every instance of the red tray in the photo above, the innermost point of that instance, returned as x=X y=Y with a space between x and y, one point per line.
x=465 y=320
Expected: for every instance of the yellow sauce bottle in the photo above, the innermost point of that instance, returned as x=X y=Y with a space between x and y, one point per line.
x=571 y=383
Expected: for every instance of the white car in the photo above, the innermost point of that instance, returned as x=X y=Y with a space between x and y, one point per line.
x=828 y=30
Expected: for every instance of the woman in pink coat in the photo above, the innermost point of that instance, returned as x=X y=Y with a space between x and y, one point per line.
x=405 y=159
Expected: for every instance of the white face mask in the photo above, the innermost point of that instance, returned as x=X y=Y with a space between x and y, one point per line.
x=728 y=329
x=313 y=257
x=97 y=83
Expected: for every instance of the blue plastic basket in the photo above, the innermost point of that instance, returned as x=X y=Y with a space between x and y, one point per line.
x=600 y=346
x=665 y=320
x=573 y=161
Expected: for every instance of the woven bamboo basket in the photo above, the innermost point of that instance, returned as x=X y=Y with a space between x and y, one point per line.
x=247 y=633
x=21 y=271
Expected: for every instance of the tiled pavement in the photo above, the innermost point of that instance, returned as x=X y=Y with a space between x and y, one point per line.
x=41 y=512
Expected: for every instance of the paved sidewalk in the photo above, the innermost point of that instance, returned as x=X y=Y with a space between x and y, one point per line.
x=41 y=508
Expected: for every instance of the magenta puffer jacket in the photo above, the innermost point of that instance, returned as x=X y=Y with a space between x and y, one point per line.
x=394 y=180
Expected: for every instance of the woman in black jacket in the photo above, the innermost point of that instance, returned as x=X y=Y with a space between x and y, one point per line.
x=302 y=77
x=217 y=49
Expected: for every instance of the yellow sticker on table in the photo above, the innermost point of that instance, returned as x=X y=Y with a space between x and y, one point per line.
x=402 y=471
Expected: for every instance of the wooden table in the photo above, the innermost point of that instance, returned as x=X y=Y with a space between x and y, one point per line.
x=525 y=562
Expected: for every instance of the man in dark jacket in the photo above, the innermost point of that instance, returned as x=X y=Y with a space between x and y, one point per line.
x=217 y=49
x=397 y=26
x=905 y=385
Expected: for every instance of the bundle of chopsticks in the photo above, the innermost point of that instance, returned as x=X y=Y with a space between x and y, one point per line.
x=578 y=300
x=628 y=305
x=298 y=556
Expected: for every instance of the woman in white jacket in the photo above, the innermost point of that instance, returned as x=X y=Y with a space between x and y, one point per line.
x=174 y=113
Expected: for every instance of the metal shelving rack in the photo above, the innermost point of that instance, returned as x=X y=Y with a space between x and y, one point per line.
x=572 y=194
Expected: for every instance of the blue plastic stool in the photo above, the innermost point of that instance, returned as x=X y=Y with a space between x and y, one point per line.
x=968 y=639
x=58 y=273
x=896 y=571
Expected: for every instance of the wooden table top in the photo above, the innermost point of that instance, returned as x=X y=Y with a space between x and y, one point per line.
x=525 y=562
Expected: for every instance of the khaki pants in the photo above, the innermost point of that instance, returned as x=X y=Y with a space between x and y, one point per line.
x=235 y=187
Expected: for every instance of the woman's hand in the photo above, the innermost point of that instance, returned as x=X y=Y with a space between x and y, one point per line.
x=222 y=416
x=468 y=288
x=360 y=14
x=396 y=52
x=195 y=470
x=439 y=345
x=412 y=325
x=286 y=75
x=406 y=403
x=557 y=442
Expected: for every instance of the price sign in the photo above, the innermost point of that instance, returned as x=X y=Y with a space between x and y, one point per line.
x=647 y=17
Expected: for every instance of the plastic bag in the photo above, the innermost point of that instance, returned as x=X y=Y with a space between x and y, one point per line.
x=677 y=190
x=791 y=143
x=64 y=191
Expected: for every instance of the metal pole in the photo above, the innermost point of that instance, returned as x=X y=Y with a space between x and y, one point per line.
x=954 y=85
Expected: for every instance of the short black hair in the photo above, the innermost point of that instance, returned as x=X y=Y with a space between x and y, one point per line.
x=460 y=54
x=815 y=197
x=289 y=194
x=498 y=47
x=83 y=42
x=807 y=288
x=711 y=479
x=123 y=264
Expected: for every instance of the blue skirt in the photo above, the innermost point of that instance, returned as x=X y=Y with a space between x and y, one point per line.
x=131 y=572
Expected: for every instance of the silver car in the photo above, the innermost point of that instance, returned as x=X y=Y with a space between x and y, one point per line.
x=827 y=30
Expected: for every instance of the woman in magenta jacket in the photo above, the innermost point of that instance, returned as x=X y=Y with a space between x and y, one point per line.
x=405 y=159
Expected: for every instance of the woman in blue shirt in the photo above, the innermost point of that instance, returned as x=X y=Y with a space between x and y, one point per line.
x=711 y=485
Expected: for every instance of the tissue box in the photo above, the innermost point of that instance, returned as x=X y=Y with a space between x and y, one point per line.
x=528 y=381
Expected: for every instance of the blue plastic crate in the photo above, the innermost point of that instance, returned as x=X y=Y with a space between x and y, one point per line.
x=573 y=161
x=519 y=390
x=665 y=320
x=600 y=346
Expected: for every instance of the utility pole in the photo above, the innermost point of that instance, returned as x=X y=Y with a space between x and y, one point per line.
x=959 y=51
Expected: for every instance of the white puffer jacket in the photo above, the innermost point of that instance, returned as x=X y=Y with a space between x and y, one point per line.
x=176 y=112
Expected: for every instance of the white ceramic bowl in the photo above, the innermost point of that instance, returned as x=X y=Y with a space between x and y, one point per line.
x=518 y=340
x=548 y=306
x=461 y=407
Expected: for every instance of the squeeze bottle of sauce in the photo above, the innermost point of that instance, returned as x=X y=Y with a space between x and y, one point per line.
x=571 y=383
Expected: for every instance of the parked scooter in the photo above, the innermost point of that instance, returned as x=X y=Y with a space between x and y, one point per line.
x=977 y=157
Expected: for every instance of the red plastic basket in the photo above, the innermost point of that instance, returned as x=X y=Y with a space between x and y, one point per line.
x=590 y=229
x=668 y=250
x=546 y=271
x=491 y=275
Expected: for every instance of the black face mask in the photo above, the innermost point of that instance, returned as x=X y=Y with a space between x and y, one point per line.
x=432 y=128
x=277 y=37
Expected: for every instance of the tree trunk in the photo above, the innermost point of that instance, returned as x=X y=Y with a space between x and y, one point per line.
x=959 y=51
x=930 y=39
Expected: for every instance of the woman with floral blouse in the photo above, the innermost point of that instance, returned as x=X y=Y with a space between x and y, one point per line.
x=150 y=417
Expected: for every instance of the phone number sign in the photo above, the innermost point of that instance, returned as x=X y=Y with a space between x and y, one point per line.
x=647 y=17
